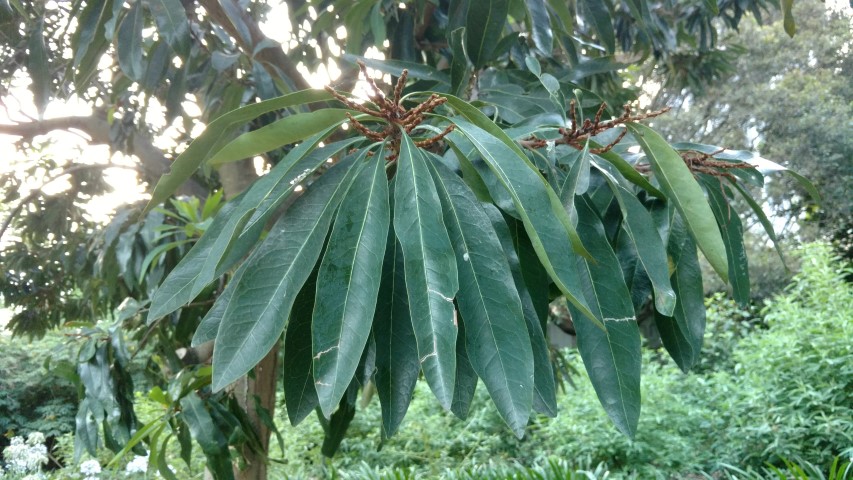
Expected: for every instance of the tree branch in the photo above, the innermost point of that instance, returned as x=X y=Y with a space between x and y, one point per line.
x=153 y=162
x=274 y=60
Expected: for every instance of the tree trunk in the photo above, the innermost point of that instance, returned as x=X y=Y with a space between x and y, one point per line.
x=260 y=390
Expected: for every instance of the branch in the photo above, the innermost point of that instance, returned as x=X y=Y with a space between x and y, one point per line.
x=154 y=163
x=274 y=60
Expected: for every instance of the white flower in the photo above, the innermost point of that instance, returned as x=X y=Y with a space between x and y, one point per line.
x=139 y=464
x=91 y=469
x=35 y=438
x=22 y=459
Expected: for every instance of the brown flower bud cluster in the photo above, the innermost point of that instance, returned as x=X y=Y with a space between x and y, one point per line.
x=578 y=135
x=392 y=111
x=699 y=162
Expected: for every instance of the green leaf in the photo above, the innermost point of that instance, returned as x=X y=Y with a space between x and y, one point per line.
x=681 y=188
x=540 y=20
x=562 y=13
x=682 y=333
x=732 y=231
x=201 y=148
x=766 y=166
x=598 y=14
x=348 y=283
x=289 y=129
x=129 y=44
x=39 y=68
x=460 y=67
x=788 y=17
x=397 y=362
x=237 y=226
x=89 y=41
x=488 y=302
x=172 y=23
x=651 y=253
x=396 y=67
x=207 y=435
x=300 y=396
x=484 y=25
x=209 y=325
x=712 y=6
x=535 y=201
x=630 y=173
x=275 y=271
x=762 y=218
x=612 y=356
x=466 y=377
x=545 y=392
x=430 y=269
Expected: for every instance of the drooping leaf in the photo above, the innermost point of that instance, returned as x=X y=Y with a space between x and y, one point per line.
x=788 y=17
x=544 y=217
x=611 y=356
x=460 y=67
x=601 y=21
x=683 y=332
x=484 y=25
x=488 y=302
x=545 y=392
x=732 y=231
x=540 y=22
x=466 y=377
x=300 y=396
x=275 y=272
x=205 y=432
x=762 y=218
x=681 y=188
x=651 y=253
x=430 y=269
x=200 y=149
x=289 y=129
x=89 y=41
x=348 y=283
x=129 y=44
x=209 y=325
x=630 y=173
x=39 y=68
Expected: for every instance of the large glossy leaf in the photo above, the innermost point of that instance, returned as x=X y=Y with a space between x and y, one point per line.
x=129 y=43
x=201 y=148
x=430 y=269
x=599 y=17
x=348 y=283
x=545 y=392
x=544 y=217
x=300 y=396
x=682 y=333
x=397 y=362
x=484 y=25
x=681 y=188
x=732 y=231
x=460 y=67
x=275 y=271
x=209 y=325
x=207 y=434
x=237 y=227
x=488 y=301
x=466 y=377
x=612 y=356
x=651 y=253
x=289 y=129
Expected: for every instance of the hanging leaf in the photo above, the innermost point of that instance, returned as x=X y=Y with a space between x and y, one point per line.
x=599 y=16
x=172 y=23
x=488 y=302
x=680 y=186
x=129 y=44
x=430 y=268
x=276 y=270
x=545 y=392
x=484 y=25
x=540 y=22
x=732 y=231
x=682 y=333
x=460 y=67
x=348 y=284
x=38 y=68
x=300 y=396
x=612 y=356
x=205 y=432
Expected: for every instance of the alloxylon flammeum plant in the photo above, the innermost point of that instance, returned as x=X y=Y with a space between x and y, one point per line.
x=433 y=240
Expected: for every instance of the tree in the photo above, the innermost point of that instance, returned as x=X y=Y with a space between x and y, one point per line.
x=494 y=169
